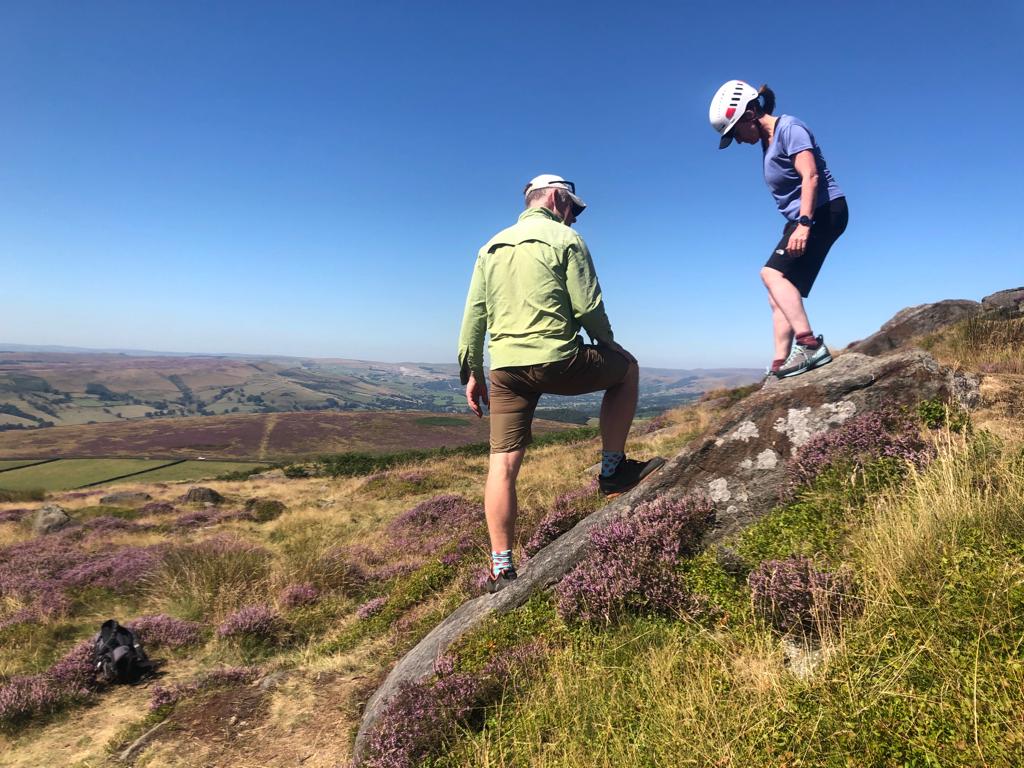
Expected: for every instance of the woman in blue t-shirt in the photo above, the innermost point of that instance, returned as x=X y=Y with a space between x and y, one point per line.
x=809 y=198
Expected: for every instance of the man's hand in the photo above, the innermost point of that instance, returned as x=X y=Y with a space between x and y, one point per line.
x=616 y=347
x=798 y=240
x=476 y=393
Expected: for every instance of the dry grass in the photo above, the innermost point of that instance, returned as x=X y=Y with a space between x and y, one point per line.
x=941 y=630
x=311 y=716
x=981 y=344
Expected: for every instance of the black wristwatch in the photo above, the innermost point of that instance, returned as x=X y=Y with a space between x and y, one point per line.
x=805 y=220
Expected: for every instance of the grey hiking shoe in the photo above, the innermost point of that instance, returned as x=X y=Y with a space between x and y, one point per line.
x=803 y=359
x=502 y=580
x=627 y=475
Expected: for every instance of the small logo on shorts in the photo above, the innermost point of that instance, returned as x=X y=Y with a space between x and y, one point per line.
x=780 y=252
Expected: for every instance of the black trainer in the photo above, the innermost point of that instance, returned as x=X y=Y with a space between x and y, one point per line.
x=627 y=475
x=502 y=580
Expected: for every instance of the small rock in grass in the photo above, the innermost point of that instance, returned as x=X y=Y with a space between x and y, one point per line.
x=265 y=509
x=201 y=495
x=50 y=518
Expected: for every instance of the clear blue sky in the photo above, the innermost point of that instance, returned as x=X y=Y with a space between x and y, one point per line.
x=315 y=178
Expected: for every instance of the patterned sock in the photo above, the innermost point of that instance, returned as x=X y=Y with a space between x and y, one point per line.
x=610 y=462
x=777 y=364
x=808 y=340
x=500 y=561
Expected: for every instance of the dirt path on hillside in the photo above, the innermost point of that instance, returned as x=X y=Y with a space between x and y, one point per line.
x=268 y=427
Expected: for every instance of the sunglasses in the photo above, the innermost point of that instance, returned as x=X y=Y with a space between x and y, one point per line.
x=570 y=185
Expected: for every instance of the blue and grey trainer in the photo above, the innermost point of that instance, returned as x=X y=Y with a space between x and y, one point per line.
x=803 y=359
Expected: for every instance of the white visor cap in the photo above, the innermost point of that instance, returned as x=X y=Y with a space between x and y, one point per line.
x=546 y=180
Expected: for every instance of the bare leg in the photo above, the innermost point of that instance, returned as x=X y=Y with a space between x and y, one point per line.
x=782 y=329
x=500 y=504
x=787 y=298
x=617 y=410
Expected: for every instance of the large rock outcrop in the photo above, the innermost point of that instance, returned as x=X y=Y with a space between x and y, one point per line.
x=1008 y=303
x=913 y=322
x=740 y=465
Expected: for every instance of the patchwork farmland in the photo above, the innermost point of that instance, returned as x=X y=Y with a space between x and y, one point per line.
x=72 y=474
x=174 y=450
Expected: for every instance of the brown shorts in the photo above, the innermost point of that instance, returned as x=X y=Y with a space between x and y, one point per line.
x=516 y=391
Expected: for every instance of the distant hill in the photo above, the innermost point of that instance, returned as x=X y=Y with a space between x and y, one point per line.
x=257 y=437
x=43 y=387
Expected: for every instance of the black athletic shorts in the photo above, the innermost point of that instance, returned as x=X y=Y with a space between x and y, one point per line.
x=829 y=223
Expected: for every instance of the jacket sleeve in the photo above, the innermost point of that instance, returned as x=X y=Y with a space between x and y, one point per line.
x=585 y=292
x=474 y=327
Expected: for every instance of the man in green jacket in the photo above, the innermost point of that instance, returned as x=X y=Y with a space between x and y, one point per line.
x=533 y=288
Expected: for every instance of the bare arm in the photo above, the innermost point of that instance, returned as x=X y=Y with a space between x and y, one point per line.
x=808 y=170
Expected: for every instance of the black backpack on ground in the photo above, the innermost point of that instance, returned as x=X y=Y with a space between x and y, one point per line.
x=118 y=654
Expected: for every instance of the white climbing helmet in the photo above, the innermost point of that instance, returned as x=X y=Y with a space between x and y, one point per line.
x=728 y=106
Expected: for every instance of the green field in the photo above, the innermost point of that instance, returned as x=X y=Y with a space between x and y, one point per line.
x=73 y=473
x=191 y=470
x=15 y=463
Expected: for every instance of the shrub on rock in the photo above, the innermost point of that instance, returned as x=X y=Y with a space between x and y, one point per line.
x=631 y=568
x=886 y=434
x=423 y=715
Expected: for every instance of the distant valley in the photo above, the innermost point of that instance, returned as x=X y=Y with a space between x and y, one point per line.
x=46 y=387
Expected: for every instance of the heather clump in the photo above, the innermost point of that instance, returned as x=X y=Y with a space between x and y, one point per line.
x=653 y=425
x=371 y=607
x=168 y=695
x=38 y=577
x=794 y=597
x=566 y=510
x=157 y=508
x=163 y=631
x=888 y=434
x=631 y=569
x=423 y=716
x=13 y=515
x=297 y=595
x=196 y=518
x=104 y=525
x=446 y=522
x=71 y=679
x=257 y=622
x=121 y=570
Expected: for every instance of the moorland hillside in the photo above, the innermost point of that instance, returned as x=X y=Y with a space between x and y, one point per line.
x=828 y=567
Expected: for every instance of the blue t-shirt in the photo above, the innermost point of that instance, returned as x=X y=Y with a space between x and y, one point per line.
x=792 y=136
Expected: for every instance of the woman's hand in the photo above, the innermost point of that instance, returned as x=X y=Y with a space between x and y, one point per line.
x=798 y=240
